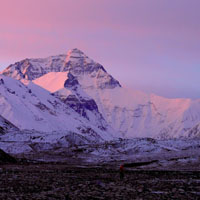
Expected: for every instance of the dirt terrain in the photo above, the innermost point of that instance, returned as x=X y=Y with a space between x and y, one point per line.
x=64 y=181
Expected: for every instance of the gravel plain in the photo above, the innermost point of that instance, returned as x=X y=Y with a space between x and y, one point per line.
x=64 y=181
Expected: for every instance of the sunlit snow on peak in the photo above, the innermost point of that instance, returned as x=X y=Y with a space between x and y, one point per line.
x=53 y=81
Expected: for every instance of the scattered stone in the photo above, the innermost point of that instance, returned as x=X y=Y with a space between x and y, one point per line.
x=53 y=181
x=181 y=190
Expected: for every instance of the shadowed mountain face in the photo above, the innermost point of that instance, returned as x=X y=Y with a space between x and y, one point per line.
x=85 y=87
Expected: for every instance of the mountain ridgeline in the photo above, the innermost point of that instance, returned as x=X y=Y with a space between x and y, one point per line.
x=72 y=94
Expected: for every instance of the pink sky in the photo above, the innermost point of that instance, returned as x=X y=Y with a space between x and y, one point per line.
x=151 y=45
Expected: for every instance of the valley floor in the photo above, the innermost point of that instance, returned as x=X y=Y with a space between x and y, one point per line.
x=64 y=181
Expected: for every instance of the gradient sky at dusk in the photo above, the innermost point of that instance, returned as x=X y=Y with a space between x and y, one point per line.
x=152 y=45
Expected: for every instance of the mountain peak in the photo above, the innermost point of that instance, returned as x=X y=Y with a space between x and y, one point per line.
x=76 y=56
x=75 y=51
x=75 y=62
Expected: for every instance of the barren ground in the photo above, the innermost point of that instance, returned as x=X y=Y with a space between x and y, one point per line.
x=64 y=181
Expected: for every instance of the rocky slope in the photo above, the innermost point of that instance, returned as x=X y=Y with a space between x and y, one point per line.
x=6 y=126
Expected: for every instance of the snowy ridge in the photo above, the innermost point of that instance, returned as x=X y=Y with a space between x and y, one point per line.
x=33 y=109
x=140 y=115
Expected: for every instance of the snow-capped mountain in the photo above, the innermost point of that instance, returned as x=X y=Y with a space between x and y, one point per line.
x=32 y=108
x=75 y=61
x=86 y=87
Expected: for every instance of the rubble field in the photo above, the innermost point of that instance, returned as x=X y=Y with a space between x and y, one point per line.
x=41 y=181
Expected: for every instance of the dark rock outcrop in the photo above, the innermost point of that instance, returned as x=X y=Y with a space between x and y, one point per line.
x=71 y=81
x=6 y=126
x=81 y=105
x=6 y=158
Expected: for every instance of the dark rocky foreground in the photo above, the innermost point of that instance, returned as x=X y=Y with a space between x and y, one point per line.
x=61 y=181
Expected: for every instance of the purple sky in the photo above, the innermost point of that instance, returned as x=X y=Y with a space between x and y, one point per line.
x=152 y=45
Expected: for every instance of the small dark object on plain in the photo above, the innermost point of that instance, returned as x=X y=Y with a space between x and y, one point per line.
x=121 y=171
